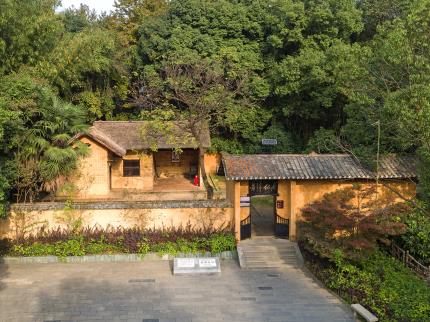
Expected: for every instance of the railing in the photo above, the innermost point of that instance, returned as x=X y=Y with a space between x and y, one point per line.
x=245 y=228
x=246 y=221
x=281 y=220
x=410 y=262
x=281 y=226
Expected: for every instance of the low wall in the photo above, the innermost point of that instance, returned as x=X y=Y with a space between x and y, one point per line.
x=28 y=218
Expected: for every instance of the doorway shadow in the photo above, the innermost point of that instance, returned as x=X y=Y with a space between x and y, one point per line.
x=263 y=215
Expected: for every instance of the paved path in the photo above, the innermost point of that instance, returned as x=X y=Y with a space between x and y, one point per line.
x=147 y=291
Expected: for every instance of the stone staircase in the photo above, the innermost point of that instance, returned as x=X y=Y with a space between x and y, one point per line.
x=268 y=253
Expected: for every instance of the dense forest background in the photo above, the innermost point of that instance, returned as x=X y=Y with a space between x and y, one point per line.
x=317 y=75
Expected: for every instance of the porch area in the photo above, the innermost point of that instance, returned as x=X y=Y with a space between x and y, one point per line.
x=169 y=188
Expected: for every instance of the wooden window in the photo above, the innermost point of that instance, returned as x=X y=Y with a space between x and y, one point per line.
x=131 y=168
x=176 y=157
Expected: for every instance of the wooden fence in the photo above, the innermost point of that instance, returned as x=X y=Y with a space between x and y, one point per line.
x=410 y=261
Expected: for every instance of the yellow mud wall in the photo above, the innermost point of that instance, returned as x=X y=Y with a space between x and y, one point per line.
x=304 y=193
x=233 y=195
x=166 y=168
x=307 y=192
x=212 y=162
x=92 y=175
x=144 y=218
x=144 y=182
x=244 y=192
x=284 y=196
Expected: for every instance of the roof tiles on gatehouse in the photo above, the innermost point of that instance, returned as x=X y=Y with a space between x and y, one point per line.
x=314 y=166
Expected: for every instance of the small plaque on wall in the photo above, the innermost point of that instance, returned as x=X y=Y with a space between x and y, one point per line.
x=280 y=204
x=245 y=201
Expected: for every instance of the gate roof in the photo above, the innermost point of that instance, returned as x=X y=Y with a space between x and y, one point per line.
x=314 y=166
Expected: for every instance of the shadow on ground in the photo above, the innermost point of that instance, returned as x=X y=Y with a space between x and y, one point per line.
x=148 y=291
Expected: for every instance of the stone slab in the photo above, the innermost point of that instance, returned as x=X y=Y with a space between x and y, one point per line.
x=193 y=265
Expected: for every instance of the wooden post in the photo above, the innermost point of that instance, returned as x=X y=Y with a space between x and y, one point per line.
x=236 y=205
x=293 y=215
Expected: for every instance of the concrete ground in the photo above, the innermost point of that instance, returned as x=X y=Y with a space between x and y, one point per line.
x=147 y=291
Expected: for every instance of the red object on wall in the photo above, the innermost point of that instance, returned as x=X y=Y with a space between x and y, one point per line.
x=196 y=180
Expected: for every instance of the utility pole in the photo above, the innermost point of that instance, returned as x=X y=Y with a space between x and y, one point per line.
x=378 y=124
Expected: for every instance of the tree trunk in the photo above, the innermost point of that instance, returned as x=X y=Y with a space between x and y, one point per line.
x=208 y=186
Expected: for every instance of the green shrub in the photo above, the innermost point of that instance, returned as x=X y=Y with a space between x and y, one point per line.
x=78 y=246
x=98 y=247
x=417 y=237
x=166 y=248
x=36 y=249
x=143 y=247
x=383 y=285
x=222 y=242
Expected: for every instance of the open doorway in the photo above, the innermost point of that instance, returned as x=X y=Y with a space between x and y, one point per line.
x=263 y=215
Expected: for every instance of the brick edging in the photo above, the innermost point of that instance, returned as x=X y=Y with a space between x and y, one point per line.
x=229 y=255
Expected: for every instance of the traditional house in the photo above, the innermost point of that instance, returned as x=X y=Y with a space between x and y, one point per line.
x=125 y=162
x=124 y=181
x=294 y=181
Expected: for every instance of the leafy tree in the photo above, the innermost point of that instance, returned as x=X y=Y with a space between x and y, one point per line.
x=29 y=29
x=77 y=19
x=95 y=79
x=194 y=95
x=36 y=129
x=417 y=236
x=220 y=31
x=352 y=220
x=130 y=14
x=390 y=86
x=377 y=12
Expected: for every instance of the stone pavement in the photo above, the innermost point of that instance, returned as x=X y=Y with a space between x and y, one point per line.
x=147 y=291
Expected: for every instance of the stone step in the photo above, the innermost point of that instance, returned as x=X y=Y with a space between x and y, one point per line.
x=267 y=253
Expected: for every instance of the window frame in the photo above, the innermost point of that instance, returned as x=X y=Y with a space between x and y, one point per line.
x=131 y=170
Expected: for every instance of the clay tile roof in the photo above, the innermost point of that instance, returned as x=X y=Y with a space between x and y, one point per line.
x=120 y=136
x=310 y=167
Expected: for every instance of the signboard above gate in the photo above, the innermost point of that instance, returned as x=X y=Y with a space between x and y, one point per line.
x=269 y=141
x=263 y=187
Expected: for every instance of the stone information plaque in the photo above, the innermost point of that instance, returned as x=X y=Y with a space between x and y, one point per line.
x=185 y=266
x=186 y=262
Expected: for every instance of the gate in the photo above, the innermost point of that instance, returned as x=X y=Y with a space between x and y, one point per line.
x=281 y=227
x=245 y=228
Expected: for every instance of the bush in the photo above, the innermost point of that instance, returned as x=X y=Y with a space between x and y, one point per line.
x=63 y=243
x=380 y=283
x=417 y=237
x=222 y=242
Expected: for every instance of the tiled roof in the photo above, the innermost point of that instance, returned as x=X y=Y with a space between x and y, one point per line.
x=313 y=166
x=120 y=136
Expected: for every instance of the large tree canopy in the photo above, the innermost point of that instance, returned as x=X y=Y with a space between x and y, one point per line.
x=316 y=75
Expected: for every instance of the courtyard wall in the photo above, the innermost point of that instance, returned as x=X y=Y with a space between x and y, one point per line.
x=29 y=218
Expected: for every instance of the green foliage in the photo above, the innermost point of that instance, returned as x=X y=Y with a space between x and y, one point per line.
x=29 y=29
x=93 y=80
x=222 y=242
x=62 y=249
x=381 y=284
x=77 y=245
x=35 y=139
x=324 y=141
x=417 y=236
